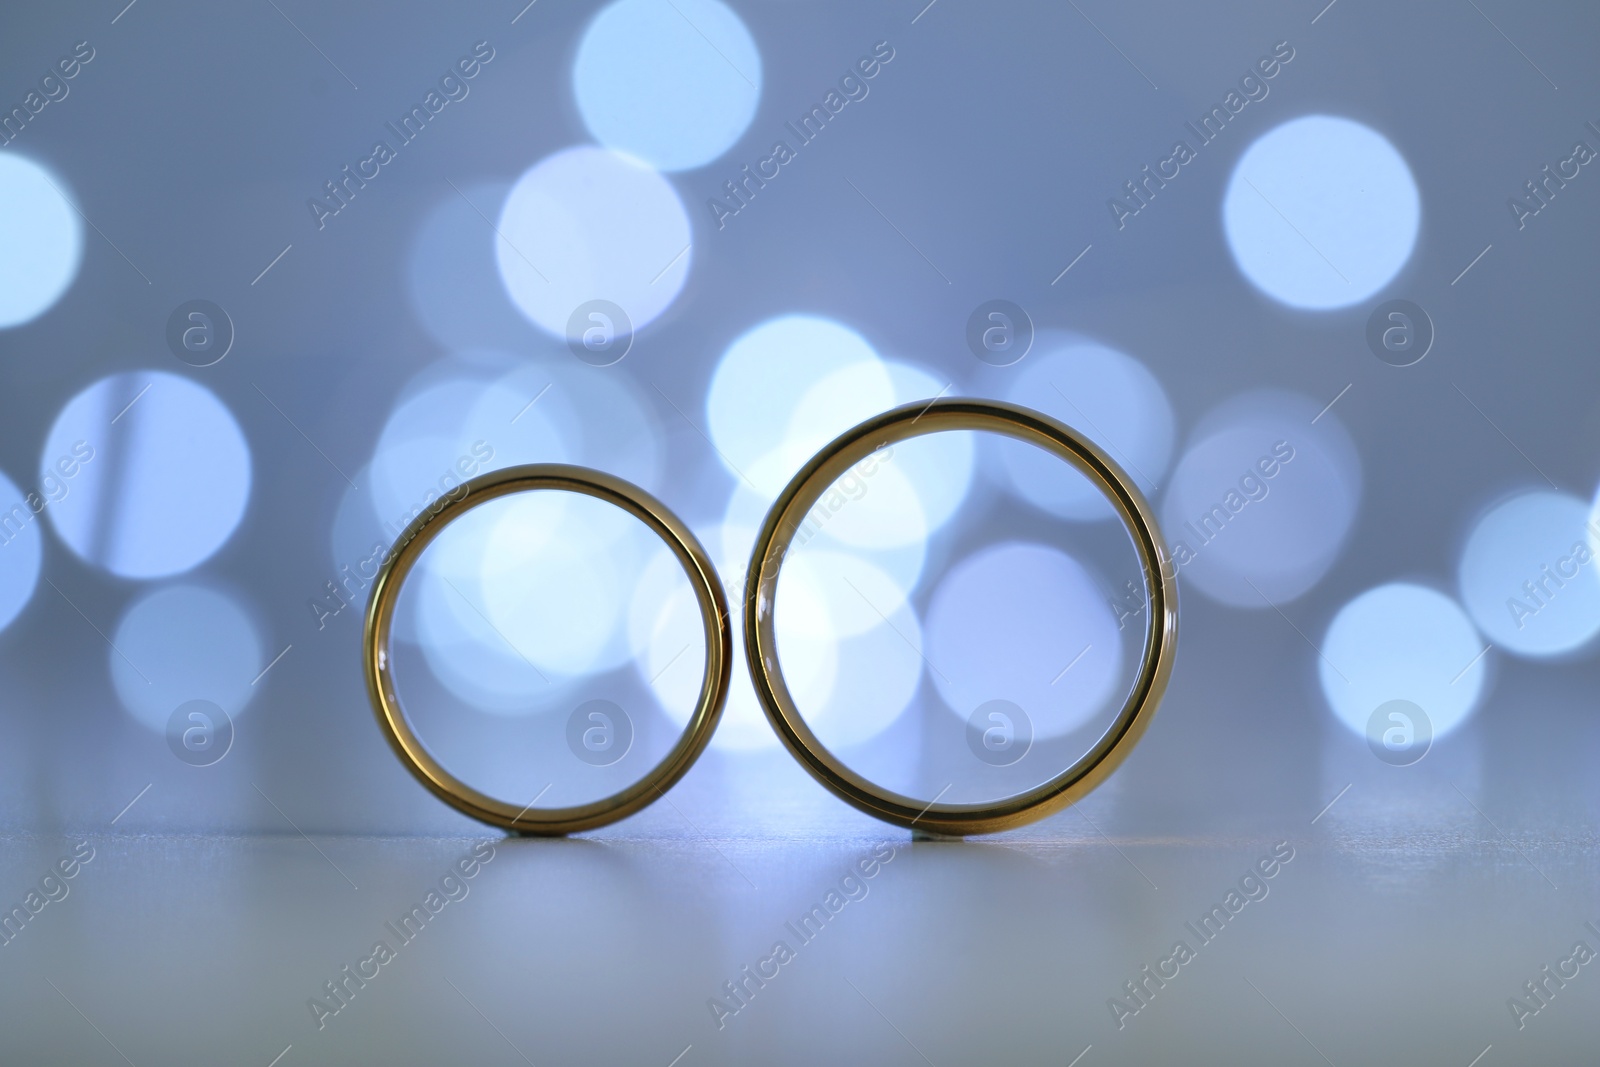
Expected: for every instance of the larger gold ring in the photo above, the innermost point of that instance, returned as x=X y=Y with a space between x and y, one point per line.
x=801 y=495
x=379 y=665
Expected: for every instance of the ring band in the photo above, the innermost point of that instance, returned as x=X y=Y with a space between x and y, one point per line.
x=379 y=663
x=801 y=495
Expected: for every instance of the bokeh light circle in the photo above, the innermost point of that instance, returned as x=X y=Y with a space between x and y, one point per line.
x=882 y=520
x=1529 y=577
x=41 y=240
x=883 y=511
x=671 y=82
x=20 y=548
x=1107 y=396
x=427 y=449
x=182 y=643
x=524 y=597
x=768 y=397
x=590 y=224
x=1402 y=642
x=456 y=422
x=1260 y=505
x=556 y=576
x=663 y=623
x=1006 y=621
x=162 y=474
x=877 y=674
x=844 y=601
x=1321 y=212
x=449 y=427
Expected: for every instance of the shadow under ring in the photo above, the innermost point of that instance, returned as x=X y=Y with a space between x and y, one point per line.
x=378 y=662
x=803 y=492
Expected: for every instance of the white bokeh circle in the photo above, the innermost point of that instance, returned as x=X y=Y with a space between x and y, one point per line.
x=41 y=240
x=180 y=643
x=1006 y=622
x=786 y=387
x=1402 y=642
x=1529 y=577
x=20 y=547
x=1107 y=396
x=671 y=82
x=162 y=474
x=664 y=622
x=590 y=224
x=1262 y=501
x=1321 y=212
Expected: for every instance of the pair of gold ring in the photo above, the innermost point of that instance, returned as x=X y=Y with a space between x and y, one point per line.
x=772 y=544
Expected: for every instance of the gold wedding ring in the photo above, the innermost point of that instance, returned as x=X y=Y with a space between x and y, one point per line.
x=782 y=523
x=379 y=665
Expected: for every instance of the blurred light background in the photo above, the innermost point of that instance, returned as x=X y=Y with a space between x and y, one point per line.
x=277 y=276
x=689 y=243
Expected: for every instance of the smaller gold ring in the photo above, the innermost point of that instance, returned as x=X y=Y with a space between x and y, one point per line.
x=783 y=521
x=379 y=666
